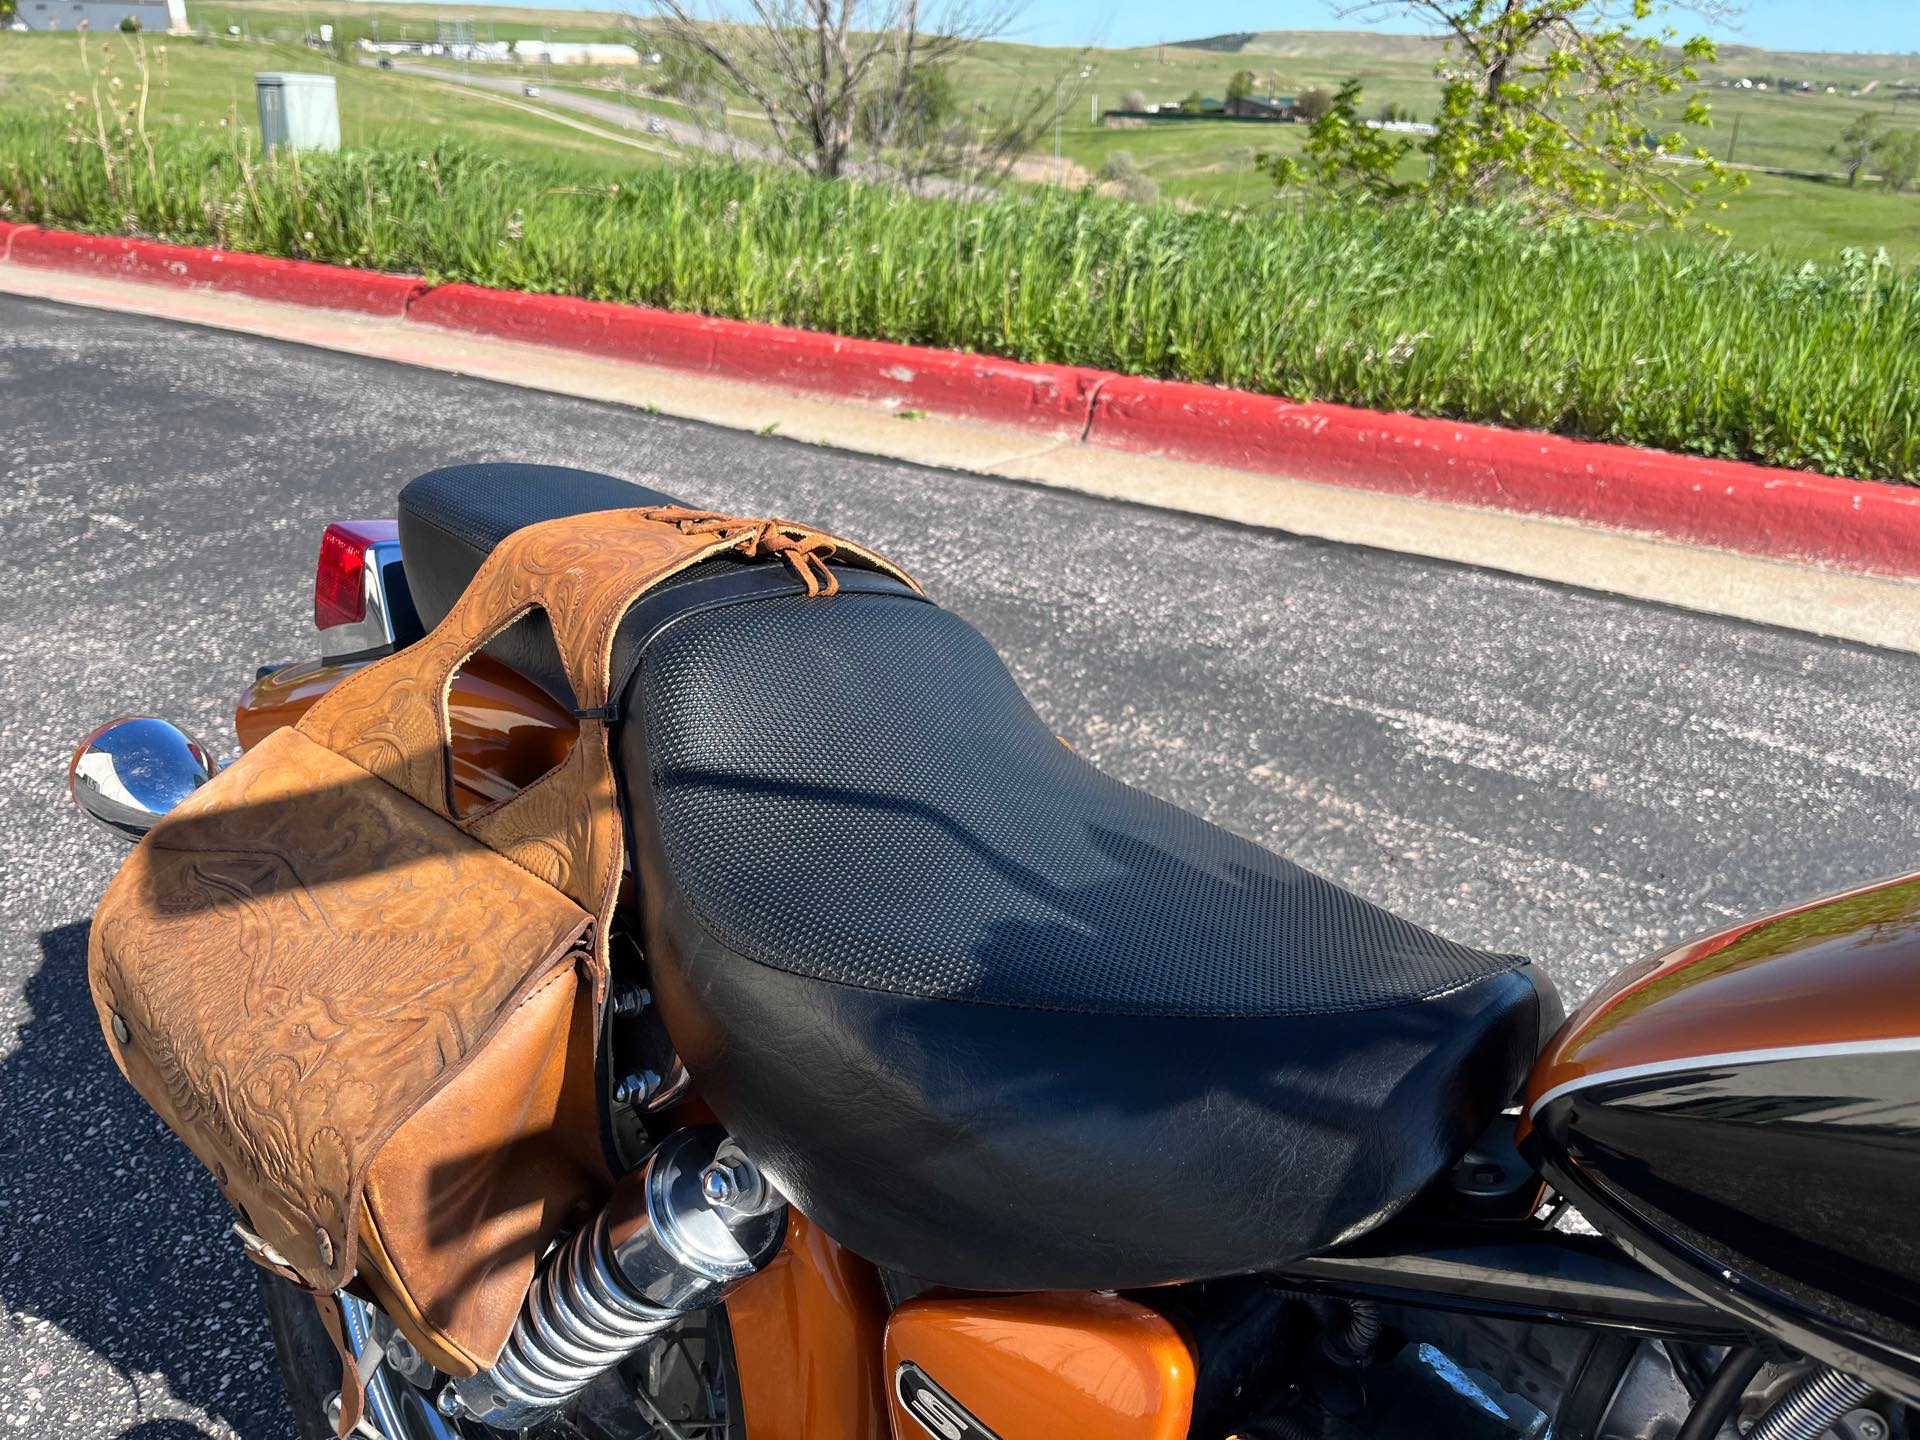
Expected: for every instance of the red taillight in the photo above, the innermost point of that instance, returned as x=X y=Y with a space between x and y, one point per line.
x=340 y=584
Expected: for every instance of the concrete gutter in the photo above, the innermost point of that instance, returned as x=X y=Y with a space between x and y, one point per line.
x=1043 y=425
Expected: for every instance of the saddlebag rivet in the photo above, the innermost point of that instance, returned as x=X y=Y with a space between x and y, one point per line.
x=120 y=1031
x=323 y=1242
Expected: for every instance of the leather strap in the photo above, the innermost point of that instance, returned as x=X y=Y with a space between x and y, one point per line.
x=585 y=572
x=353 y=1381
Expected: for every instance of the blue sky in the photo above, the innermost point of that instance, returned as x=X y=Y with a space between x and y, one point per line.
x=1775 y=24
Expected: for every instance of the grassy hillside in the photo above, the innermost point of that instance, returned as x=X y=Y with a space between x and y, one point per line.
x=1203 y=163
x=1212 y=163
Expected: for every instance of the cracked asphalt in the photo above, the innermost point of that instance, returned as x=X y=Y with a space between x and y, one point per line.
x=1515 y=764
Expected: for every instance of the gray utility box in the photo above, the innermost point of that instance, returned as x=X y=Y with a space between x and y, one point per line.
x=301 y=112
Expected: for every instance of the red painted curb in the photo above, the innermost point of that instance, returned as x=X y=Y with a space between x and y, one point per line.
x=1728 y=504
x=1055 y=398
x=294 y=282
x=1858 y=525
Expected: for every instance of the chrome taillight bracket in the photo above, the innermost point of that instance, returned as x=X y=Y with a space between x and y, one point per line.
x=373 y=634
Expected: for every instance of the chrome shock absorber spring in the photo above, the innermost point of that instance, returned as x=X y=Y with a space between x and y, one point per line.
x=678 y=1233
x=1808 y=1411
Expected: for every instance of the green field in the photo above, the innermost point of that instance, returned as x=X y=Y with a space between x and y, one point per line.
x=1208 y=163
x=201 y=85
x=1212 y=162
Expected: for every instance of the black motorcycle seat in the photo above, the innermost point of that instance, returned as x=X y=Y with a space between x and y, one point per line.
x=987 y=1015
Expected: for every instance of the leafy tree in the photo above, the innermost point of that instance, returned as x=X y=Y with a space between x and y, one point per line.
x=1241 y=85
x=7 y=8
x=1344 y=155
x=1545 y=104
x=1898 y=156
x=1858 y=144
x=129 y=24
x=1191 y=105
x=1312 y=103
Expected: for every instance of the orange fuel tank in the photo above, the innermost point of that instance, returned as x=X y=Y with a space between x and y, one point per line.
x=1037 y=1367
x=1743 y=1115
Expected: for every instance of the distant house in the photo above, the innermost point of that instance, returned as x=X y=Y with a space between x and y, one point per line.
x=166 y=16
x=1253 y=107
x=1273 y=109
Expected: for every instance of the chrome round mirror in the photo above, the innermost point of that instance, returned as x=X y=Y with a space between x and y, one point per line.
x=130 y=772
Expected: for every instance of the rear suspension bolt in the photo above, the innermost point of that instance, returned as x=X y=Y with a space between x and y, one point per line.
x=636 y=1089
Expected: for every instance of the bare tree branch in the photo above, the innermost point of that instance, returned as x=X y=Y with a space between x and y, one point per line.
x=858 y=86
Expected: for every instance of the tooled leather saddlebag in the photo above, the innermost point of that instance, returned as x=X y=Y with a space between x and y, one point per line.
x=373 y=1018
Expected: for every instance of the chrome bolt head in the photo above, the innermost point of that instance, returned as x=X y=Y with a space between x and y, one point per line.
x=734 y=1181
x=447 y=1402
x=636 y=1089
x=631 y=999
x=719 y=1184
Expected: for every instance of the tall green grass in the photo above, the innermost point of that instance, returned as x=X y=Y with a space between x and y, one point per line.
x=1472 y=316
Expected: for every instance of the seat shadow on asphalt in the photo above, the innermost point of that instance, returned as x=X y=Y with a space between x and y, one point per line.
x=127 y=1255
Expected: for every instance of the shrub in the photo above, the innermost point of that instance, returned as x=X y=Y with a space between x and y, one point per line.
x=1312 y=102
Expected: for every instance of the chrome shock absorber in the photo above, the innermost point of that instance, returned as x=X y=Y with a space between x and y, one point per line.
x=679 y=1232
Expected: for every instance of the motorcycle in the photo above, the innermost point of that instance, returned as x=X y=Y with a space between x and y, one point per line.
x=959 y=1090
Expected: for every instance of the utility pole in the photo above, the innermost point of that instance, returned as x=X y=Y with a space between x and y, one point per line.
x=1734 y=143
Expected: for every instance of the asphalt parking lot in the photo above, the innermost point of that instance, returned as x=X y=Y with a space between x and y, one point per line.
x=1515 y=764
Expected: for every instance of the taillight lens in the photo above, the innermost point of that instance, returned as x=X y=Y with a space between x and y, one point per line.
x=340 y=583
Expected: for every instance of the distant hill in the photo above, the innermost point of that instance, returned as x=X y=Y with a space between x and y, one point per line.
x=1372 y=43
x=1736 y=58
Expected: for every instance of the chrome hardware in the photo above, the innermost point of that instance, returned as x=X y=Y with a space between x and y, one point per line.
x=735 y=1183
x=672 y=1085
x=1810 y=1409
x=130 y=772
x=636 y=1089
x=394 y=1411
x=630 y=999
x=1861 y=1425
x=659 y=1250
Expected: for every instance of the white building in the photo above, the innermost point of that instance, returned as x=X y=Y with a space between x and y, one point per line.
x=166 y=16
x=567 y=52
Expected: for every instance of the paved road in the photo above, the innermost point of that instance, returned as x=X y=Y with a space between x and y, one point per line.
x=606 y=112
x=1515 y=764
x=688 y=134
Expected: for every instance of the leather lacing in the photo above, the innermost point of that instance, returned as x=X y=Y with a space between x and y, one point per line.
x=807 y=551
